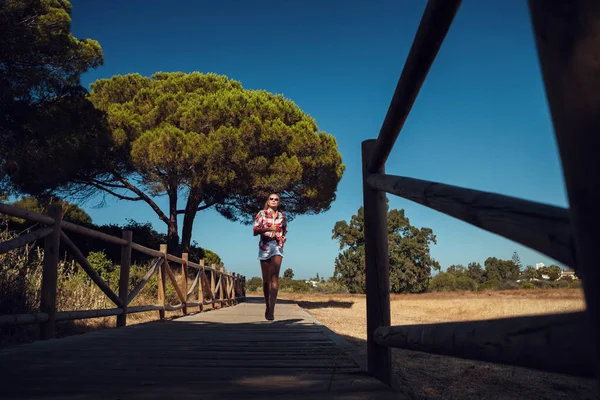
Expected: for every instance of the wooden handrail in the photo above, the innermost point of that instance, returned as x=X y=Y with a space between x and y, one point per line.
x=542 y=227
x=24 y=239
x=434 y=26
x=566 y=37
x=556 y=343
x=53 y=235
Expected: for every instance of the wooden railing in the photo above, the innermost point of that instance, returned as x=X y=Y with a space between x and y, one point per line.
x=213 y=286
x=567 y=41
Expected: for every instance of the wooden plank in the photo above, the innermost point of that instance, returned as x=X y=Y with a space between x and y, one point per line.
x=377 y=267
x=50 y=274
x=145 y=279
x=84 y=314
x=23 y=319
x=23 y=239
x=184 y=275
x=124 y=277
x=19 y=212
x=567 y=37
x=146 y=250
x=193 y=288
x=542 y=227
x=173 y=280
x=152 y=307
x=161 y=281
x=434 y=26
x=69 y=226
x=556 y=343
x=89 y=270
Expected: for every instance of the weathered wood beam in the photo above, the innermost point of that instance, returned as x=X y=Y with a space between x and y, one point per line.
x=85 y=314
x=124 y=277
x=23 y=319
x=69 y=226
x=377 y=270
x=542 y=227
x=23 y=239
x=557 y=343
x=50 y=274
x=173 y=280
x=140 y=286
x=146 y=250
x=89 y=270
x=194 y=284
x=567 y=36
x=434 y=26
x=138 y=309
x=19 y=212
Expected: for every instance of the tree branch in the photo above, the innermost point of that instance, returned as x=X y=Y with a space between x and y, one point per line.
x=146 y=198
x=113 y=185
x=204 y=207
x=117 y=195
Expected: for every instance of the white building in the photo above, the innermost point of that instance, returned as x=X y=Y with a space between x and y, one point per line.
x=539 y=265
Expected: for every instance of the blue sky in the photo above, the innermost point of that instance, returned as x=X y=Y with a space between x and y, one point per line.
x=481 y=119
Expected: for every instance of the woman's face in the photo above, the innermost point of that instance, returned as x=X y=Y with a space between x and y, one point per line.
x=273 y=201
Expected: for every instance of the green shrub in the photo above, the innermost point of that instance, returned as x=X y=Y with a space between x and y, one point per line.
x=331 y=286
x=254 y=284
x=294 y=286
x=443 y=282
x=575 y=283
x=508 y=285
x=489 y=285
x=527 y=285
x=465 y=283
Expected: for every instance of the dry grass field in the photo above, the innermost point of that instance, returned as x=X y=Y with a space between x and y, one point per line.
x=426 y=376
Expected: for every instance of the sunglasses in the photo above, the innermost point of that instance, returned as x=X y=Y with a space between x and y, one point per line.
x=273 y=198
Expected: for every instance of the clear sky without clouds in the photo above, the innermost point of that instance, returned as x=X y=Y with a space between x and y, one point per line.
x=481 y=120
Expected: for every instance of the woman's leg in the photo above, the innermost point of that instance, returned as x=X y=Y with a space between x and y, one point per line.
x=274 y=279
x=265 y=266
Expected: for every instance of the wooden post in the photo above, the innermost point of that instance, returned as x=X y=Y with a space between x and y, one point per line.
x=162 y=279
x=124 y=277
x=212 y=285
x=236 y=281
x=567 y=39
x=184 y=274
x=200 y=284
x=377 y=270
x=50 y=274
x=244 y=287
x=227 y=286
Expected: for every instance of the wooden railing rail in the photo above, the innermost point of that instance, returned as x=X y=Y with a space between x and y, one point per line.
x=567 y=41
x=228 y=290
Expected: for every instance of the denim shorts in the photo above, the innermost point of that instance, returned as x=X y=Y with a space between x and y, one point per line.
x=271 y=250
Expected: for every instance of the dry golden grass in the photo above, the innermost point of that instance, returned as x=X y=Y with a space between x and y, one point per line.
x=346 y=314
x=428 y=376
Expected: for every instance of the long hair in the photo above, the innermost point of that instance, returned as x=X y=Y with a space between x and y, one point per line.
x=266 y=207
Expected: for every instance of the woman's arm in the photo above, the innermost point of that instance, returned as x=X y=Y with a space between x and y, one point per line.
x=258 y=223
x=272 y=228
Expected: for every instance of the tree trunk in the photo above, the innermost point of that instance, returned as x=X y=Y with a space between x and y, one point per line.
x=191 y=209
x=173 y=231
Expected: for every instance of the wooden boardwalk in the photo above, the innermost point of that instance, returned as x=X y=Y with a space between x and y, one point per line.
x=228 y=353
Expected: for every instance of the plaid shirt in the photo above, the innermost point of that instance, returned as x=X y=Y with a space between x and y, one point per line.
x=266 y=219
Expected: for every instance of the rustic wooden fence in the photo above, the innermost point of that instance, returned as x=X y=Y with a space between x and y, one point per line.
x=211 y=286
x=567 y=39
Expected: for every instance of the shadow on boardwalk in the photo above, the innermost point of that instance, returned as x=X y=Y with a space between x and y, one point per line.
x=306 y=304
x=229 y=353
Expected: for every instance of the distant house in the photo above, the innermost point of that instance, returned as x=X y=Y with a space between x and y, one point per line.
x=568 y=274
x=313 y=283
